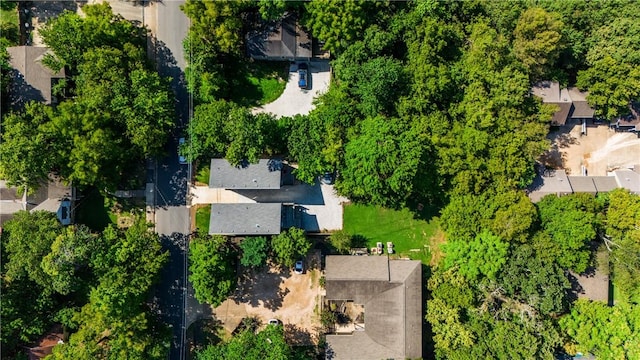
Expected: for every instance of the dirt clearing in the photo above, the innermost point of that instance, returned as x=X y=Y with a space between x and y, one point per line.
x=273 y=293
x=601 y=150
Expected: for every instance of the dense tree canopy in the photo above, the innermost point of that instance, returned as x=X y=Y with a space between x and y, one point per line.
x=482 y=256
x=267 y=344
x=607 y=332
x=211 y=267
x=121 y=110
x=623 y=228
x=569 y=224
x=95 y=285
x=538 y=41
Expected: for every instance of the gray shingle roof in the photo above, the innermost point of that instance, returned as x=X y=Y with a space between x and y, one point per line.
x=604 y=183
x=283 y=40
x=245 y=219
x=551 y=182
x=582 y=184
x=629 y=180
x=263 y=175
x=391 y=292
x=32 y=80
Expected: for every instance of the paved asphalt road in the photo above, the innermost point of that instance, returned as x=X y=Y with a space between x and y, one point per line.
x=172 y=215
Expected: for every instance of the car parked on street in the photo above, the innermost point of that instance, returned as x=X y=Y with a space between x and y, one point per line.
x=181 y=159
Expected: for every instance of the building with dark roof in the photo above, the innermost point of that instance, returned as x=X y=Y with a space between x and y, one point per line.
x=266 y=174
x=388 y=296
x=572 y=103
x=283 y=40
x=31 y=79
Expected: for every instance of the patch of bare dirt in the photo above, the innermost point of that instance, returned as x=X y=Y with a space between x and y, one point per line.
x=275 y=293
x=601 y=150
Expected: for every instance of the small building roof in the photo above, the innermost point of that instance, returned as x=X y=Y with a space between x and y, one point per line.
x=282 y=40
x=32 y=79
x=560 y=117
x=245 y=219
x=392 y=300
x=604 y=183
x=263 y=175
x=628 y=179
x=550 y=182
x=582 y=184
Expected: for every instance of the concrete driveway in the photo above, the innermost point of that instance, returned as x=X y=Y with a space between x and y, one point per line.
x=294 y=100
x=322 y=207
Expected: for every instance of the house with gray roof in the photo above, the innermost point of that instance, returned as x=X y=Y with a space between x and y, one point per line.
x=266 y=174
x=283 y=40
x=571 y=102
x=246 y=219
x=387 y=296
x=53 y=196
x=31 y=79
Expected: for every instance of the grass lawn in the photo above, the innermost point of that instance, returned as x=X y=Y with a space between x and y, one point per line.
x=203 y=215
x=411 y=237
x=264 y=82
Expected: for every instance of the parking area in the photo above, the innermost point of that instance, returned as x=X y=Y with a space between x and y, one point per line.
x=295 y=100
x=600 y=151
x=274 y=293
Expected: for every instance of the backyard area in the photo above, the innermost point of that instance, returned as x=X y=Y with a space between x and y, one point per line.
x=411 y=237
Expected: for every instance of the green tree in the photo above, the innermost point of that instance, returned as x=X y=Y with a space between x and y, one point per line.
x=377 y=83
x=538 y=41
x=289 y=246
x=568 y=225
x=607 y=332
x=482 y=256
x=114 y=324
x=341 y=241
x=254 y=251
x=611 y=84
x=339 y=23
x=68 y=262
x=224 y=128
x=381 y=163
x=71 y=36
x=27 y=239
x=212 y=268
x=268 y=344
x=534 y=281
x=622 y=237
x=28 y=151
x=219 y=23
